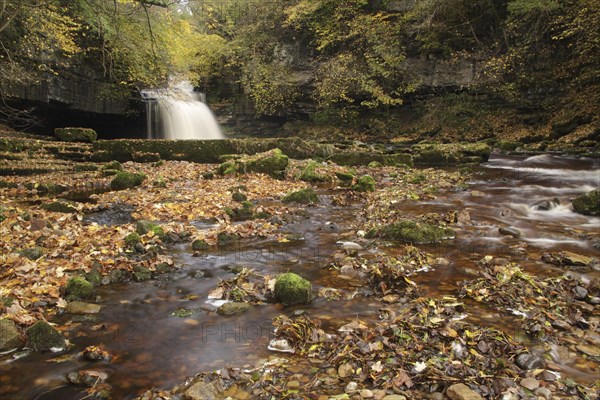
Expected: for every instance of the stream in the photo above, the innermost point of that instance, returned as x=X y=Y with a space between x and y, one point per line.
x=153 y=348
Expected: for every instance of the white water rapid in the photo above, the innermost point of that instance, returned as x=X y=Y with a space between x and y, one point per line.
x=179 y=113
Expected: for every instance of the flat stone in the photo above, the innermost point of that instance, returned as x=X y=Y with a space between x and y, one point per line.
x=578 y=260
x=394 y=397
x=460 y=391
x=232 y=308
x=509 y=232
x=530 y=383
x=202 y=391
x=593 y=351
x=79 y=307
x=9 y=335
x=528 y=361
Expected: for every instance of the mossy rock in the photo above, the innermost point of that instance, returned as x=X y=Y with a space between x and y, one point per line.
x=200 y=245
x=228 y=168
x=208 y=175
x=417 y=178
x=85 y=168
x=142 y=157
x=118 y=275
x=76 y=135
x=291 y=288
x=32 y=253
x=94 y=277
x=143 y=227
x=113 y=165
x=239 y=196
x=141 y=273
x=365 y=183
x=507 y=145
x=78 y=288
x=109 y=172
x=412 y=232
x=224 y=239
x=303 y=196
x=243 y=213
x=450 y=153
x=101 y=156
x=42 y=336
x=126 y=180
x=132 y=239
x=60 y=207
x=272 y=162
x=588 y=203
x=375 y=164
x=345 y=176
x=10 y=338
x=160 y=182
x=309 y=173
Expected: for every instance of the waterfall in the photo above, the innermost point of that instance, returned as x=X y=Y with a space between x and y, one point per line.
x=179 y=113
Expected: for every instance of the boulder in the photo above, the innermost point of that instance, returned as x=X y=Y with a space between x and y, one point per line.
x=588 y=204
x=364 y=184
x=291 y=288
x=43 y=336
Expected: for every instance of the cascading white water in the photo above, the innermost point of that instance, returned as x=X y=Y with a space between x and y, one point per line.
x=179 y=113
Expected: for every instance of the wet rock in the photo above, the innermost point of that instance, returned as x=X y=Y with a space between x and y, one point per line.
x=548 y=376
x=232 y=308
x=87 y=377
x=94 y=353
x=202 y=391
x=199 y=245
x=79 y=288
x=365 y=183
x=10 y=337
x=528 y=361
x=118 y=275
x=460 y=391
x=464 y=217
x=530 y=383
x=547 y=205
x=43 y=336
x=594 y=300
x=580 y=293
x=79 y=307
x=291 y=289
x=588 y=204
x=303 y=196
x=509 y=232
x=280 y=345
x=141 y=273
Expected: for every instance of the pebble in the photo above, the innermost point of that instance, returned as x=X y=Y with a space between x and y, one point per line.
x=441 y=261
x=366 y=394
x=580 y=293
x=351 y=387
x=594 y=300
x=547 y=376
x=530 y=383
x=543 y=392
x=528 y=361
x=460 y=391
x=509 y=232
x=394 y=397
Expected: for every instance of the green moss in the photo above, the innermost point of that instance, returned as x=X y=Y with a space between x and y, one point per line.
x=507 y=145
x=304 y=196
x=141 y=273
x=344 y=176
x=450 y=153
x=125 y=180
x=109 y=172
x=239 y=197
x=417 y=178
x=94 y=277
x=143 y=227
x=160 y=182
x=364 y=184
x=412 y=232
x=228 y=168
x=182 y=313
x=375 y=164
x=309 y=173
x=60 y=206
x=43 y=336
x=291 y=288
x=113 y=165
x=272 y=163
x=588 y=204
x=199 y=245
x=132 y=239
x=78 y=288
x=32 y=253
x=76 y=134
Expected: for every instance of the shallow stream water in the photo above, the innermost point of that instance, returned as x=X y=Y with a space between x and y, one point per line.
x=153 y=348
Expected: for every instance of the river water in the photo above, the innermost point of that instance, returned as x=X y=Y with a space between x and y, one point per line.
x=153 y=348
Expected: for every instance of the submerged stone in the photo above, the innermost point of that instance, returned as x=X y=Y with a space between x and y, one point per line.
x=291 y=288
x=588 y=204
x=43 y=336
x=79 y=307
x=232 y=308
